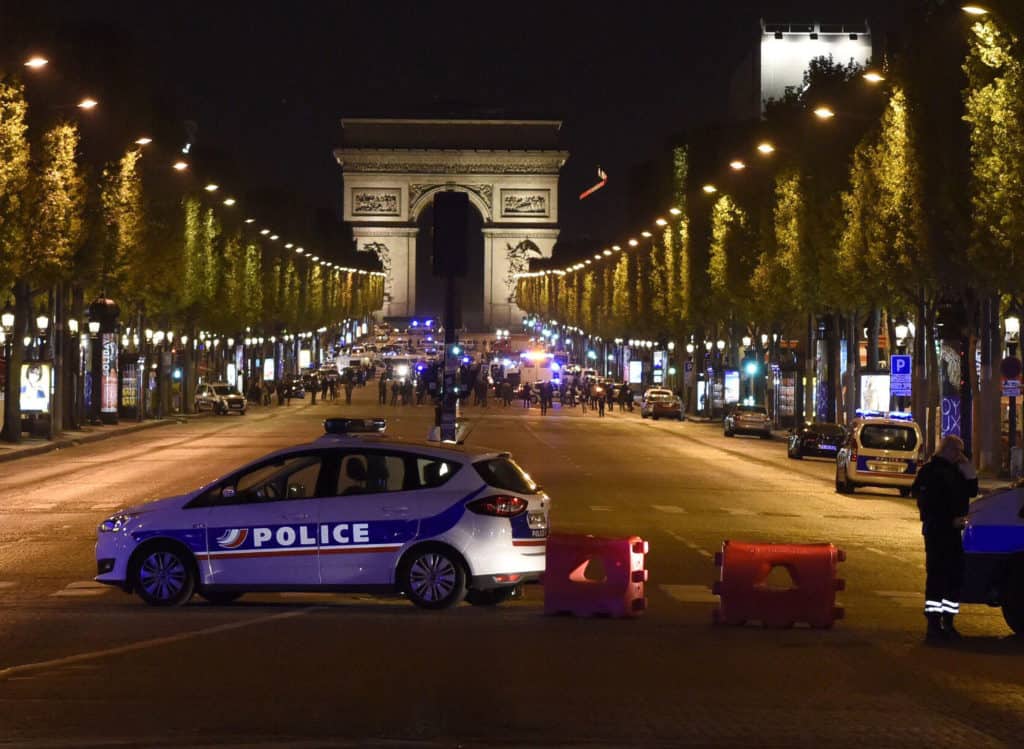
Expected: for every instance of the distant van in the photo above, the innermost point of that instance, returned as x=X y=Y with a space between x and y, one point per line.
x=880 y=452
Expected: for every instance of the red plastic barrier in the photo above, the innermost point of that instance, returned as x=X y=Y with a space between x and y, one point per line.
x=745 y=596
x=613 y=585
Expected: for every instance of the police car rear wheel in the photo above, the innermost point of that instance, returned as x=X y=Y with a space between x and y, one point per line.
x=433 y=578
x=164 y=577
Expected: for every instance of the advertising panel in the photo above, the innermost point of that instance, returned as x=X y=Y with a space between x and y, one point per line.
x=130 y=388
x=35 y=387
x=268 y=369
x=636 y=372
x=108 y=374
x=874 y=392
x=305 y=357
x=732 y=386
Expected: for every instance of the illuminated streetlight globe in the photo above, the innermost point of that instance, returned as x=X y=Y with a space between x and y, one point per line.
x=720 y=344
x=689 y=348
x=746 y=341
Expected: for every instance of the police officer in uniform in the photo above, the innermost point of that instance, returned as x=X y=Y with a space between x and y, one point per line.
x=944 y=487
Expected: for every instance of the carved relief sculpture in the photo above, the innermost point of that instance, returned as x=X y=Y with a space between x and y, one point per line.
x=376 y=202
x=519 y=262
x=532 y=203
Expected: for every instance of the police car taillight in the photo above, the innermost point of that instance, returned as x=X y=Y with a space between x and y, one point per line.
x=501 y=505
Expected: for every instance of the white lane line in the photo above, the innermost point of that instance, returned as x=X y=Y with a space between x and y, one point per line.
x=104 y=506
x=737 y=511
x=600 y=508
x=5 y=584
x=690 y=593
x=87 y=584
x=41 y=507
x=26 y=668
x=670 y=509
x=882 y=553
x=690 y=545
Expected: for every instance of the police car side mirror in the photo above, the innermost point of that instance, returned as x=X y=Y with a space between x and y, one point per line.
x=296 y=490
x=227 y=492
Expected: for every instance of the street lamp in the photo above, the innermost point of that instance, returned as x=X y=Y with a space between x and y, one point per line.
x=824 y=113
x=974 y=10
x=1012 y=326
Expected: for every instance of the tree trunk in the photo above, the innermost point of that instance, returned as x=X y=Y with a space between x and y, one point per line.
x=852 y=366
x=933 y=402
x=835 y=385
x=57 y=344
x=15 y=347
x=919 y=382
x=874 y=324
x=809 y=373
x=987 y=426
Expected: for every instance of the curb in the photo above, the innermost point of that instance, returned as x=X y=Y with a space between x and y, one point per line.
x=62 y=443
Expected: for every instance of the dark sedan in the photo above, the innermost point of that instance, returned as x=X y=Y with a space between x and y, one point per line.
x=819 y=440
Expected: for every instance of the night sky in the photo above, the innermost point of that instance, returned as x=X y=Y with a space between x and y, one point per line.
x=266 y=82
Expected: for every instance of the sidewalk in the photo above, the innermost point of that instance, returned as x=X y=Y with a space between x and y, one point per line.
x=30 y=446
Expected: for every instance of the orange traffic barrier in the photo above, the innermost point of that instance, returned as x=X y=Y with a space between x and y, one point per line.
x=747 y=594
x=589 y=576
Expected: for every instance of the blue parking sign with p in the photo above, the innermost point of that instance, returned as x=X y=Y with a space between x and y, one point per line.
x=900 y=375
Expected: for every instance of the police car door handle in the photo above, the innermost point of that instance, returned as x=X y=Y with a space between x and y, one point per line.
x=395 y=509
x=299 y=516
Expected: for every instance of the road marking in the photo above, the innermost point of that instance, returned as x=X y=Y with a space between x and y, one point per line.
x=104 y=506
x=670 y=509
x=600 y=508
x=41 y=507
x=737 y=511
x=689 y=544
x=5 y=584
x=82 y=589
x=882 y=553
x=82 y=584
x=26 y=668
x=905 y=598
x=690 y=593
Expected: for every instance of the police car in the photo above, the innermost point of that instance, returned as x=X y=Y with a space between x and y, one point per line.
x=350 y=511
x=994 y=554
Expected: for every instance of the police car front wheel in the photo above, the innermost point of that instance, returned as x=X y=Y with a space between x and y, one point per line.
x=164 y=576
x=433 y=577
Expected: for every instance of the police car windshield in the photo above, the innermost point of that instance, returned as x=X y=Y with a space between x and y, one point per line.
x=887 y=437
x=224 y=390
x=503 y=473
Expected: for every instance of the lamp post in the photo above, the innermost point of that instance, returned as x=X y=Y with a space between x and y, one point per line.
x=1010 y=367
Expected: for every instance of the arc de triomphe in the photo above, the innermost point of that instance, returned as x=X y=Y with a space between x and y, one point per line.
x=508 y=168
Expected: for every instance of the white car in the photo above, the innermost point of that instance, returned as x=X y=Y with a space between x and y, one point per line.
x=346 y=512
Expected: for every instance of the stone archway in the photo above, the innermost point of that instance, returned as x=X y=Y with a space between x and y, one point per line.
x=509 y=169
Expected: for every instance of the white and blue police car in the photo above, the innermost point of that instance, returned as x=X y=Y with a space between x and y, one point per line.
x=994 y=554
x=352 y=511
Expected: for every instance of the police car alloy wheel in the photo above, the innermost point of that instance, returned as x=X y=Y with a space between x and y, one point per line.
x=433 y=578
x=163 y=576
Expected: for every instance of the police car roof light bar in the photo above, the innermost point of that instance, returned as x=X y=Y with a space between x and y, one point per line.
x=355 y=426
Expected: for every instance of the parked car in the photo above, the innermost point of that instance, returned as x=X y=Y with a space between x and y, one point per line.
x=658 y=402
x=748 y=420
x=820 y=440
x=219 y=397
x=880 y=452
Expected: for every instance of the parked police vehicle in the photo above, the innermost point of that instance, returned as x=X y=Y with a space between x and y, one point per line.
x=994 y=554
x=351 y=511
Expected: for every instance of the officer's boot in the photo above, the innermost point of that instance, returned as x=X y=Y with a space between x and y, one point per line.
x=935 y=632
x=948 y=629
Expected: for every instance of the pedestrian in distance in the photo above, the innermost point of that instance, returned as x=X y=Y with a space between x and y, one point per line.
x=394 y=392
x=506 y=393
x=526 y=393
x=382 y=390
x=543 y=398
x=599 y=397
x=325 y=386
x=943 y=488
x=348 y=391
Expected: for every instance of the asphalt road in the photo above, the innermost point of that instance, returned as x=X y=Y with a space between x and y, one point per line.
x=81 y=664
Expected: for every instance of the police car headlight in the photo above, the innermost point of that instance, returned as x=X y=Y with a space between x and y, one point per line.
x=115 y=523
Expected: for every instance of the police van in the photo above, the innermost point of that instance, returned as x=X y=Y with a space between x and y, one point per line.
x=994 y=554
x=351 y=511
x=883 y=452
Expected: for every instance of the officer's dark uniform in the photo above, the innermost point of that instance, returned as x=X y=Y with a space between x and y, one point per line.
x=943 y=494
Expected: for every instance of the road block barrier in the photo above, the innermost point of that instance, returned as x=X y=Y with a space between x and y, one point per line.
x=590 y=576
x=746 y=594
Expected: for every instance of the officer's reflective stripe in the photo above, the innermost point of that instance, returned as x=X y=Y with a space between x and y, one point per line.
x=950 y=607
x=932 y=607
